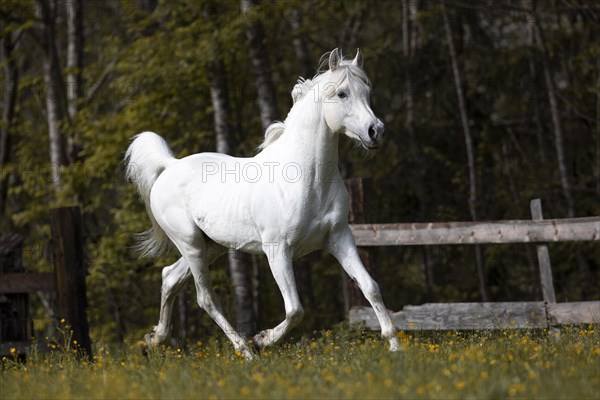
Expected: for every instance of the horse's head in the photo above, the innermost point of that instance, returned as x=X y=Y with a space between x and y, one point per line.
x=346 y=103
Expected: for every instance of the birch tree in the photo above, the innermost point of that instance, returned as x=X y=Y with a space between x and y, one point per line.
x=74 y=10
x=565 y=182
x=75 y=42
x=261 y=68
x=55 y=100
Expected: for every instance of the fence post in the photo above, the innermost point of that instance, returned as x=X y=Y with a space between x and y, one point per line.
x=358 y=189
x=543 y=257
x=69 y=270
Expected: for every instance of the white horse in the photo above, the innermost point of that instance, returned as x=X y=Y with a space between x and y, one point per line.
x=285 y=202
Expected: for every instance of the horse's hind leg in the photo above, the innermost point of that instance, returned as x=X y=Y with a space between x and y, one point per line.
x=174 y=278
x=198 y=255
x=207 y=299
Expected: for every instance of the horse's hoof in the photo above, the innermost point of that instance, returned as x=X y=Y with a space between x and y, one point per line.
x=395 y=345
x=151 y=340
x=262 y=339
x=247 y=354
x=143 y=346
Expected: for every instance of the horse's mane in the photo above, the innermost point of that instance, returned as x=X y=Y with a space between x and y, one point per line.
x=303 y=86
x=276 y=129
x=273 y=132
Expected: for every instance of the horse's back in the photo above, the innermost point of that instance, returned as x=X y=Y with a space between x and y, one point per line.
x=243 y=202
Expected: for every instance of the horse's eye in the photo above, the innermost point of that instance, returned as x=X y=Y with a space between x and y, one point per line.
x=342 y=94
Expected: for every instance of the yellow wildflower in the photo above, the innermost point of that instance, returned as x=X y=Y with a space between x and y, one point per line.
x=258 y=378
x=245 y=391
x=515 y=389
x=293 y=391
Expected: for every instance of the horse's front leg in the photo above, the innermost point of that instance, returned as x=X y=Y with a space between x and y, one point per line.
x=280 y=262
x=342 y=246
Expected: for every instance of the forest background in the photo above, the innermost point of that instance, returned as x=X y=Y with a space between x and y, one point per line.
x=487 y=105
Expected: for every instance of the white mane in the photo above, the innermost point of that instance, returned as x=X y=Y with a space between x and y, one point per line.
x=273 y=132
x=304 y=86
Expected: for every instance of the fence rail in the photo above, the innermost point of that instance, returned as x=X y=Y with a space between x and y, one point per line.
x=27 y=282
x=447 y=233
x=473 y=316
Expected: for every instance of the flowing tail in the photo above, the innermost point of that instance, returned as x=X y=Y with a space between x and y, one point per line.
x=147 y=157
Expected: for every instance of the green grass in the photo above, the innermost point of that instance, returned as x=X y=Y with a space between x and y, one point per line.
x=493 y=365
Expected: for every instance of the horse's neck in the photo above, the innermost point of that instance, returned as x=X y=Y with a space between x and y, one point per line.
x=311 y=144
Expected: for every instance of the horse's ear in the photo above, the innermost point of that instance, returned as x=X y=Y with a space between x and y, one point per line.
x=334 y=59
x=358 y=60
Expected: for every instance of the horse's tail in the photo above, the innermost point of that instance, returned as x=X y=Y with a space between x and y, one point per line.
x=147 y=157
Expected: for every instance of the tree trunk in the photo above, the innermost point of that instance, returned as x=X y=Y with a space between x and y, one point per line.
x=470 y=151
x=74 y=54
x=408 y=23
x=463 y=118
x=182 y=311
x=240 y=266
x=300 y=44
x=74 y=11
x=529 y=7
x=220 y=102
x=406 y=45
x=409 y=10
x=260 y=66
x=565 y=181
x=598 y=129
x=55 y=98
x=11 y=79
x=539 y=130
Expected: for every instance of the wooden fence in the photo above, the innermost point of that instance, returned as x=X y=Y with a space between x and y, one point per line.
x=450 y=316
x=67 y=281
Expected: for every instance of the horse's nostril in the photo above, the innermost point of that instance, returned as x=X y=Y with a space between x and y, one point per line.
x=372 y=132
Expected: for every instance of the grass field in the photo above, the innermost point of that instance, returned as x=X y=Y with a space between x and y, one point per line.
x=344 y=364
